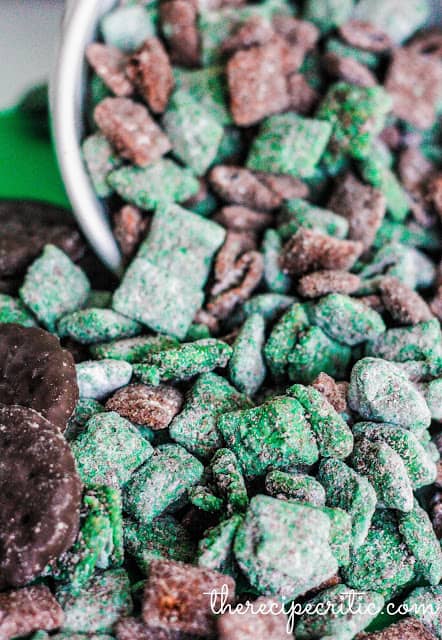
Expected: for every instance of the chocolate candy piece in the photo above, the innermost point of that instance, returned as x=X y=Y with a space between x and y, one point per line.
x=27 y=226
x=40 y=495
x=27 y=610
x=36 y=372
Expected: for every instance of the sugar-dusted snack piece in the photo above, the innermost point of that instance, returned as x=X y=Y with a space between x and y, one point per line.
x=383 y=562
x=405 y=629
x=274 y=530
x=334 y=437
x=348 y=70
x=380 y=391
x=275 y=279
x=180 y=29
x=108 y=62
x=195 y=427
x=432 y=392
x=328 y=14
x=419 y=342
x=347 y=612
x=316 y=353
x=289 y=144
x=270 y=305
x=183 y=362
x=229 y=481
x=99 y=378
x=109 y=450
x=150 y=71
x=367 y=58
x=130 y=227
x=423 y=604
x=163 y=181
x=215 y=548
x=237 y=185
x=44 y=289
x=382 y=177
x=404 y=305
x=275 y=435
x=164 y=537
x=334 y=392
x=194 y=133
x=99 y=606
x=388 y=16
x=133 y=349
x=321 y=283
x=13 y=310
x=203 y=499
x=100 y=159
x=161 y=483
x=356 y=115
x=91 y=325
x=154 y=407
x=365 y=35
x=85 y=409
x=27 y=610
x=295 y=488
x=189 y=589
x=246 y=366
x=298 y=213
x=254 y=32
x=268 y=620
x=128 y=27
x=208 y=87
x=351 y=492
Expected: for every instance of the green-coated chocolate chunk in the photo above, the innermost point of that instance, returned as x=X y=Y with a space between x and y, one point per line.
x=208 y=88
x=128 y=27
x=53 y=286
x=405 y=263
x=275 y=279
x=183 y=362
x=432 y=392
x=274 y=530
x=247 y=370
x=289 y=144
x=215 y=549
x=89 y=326
x=351 y=492
x=161 y=483
x=297 y=213
x=193 y=131
x=100 y=159
x=315 y=353
x=164 y=181
x=422 y=341
x=98 y=607
x=133 y=349
x=410 y=234
x=229 y=481
x=164 y=537
x=425 y=604
x=340 y=534
x=375 y=172
x=275 y=435
x=347 y=320
x=109 y=450
x=345 y=612
x=379 y=391
x=202 y=498
x=333 y=435
x=99 y=378
x=389 y=16
x=195 y=427
x=328 y=14
x=283 y=339
x=295 y=488
x=13 y=310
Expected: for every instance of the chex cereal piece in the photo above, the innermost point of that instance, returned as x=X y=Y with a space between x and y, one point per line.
x=127 y=27
x=177 y=597
x=404 y=305
x=130 y=227
x=130 y=129
x=289 y=144
x=89 y=326
x=418 y=534
x=44 y=289
x=283 y=337
x=418 y=342
x=365 y=35
x=303 y=98
x=246 y=366
x=348 y=70
x=229 y=481
x=208 y=87
x=132 y=349
x=215 y=549
x=179 y=26
x=237 y=185
x=108 y=62
x=298 y=213
x=135 y=628
x=238 y=218
x=98 y=378
x=13 y=310
x=27 y=610
x=286 y=187
x=154 y=407
x=266 y=623
x=406 y=629
x=150 y=72
x=254 y=32
x=329 y=14
x=295 y=488
x=388 y=16
x=100 y=159
x=334 y=392
x=275 y=279
x=320 y=283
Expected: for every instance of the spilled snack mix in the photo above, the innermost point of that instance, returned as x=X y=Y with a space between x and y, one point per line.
x=250 y=418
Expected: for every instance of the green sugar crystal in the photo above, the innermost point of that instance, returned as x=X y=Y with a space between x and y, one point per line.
x=13 y=310
x=208 y=88
x=215 y=549
x=295 y=488
x=275 y=435
x=194 y=133
x=333 y=436
x=289 y=144
x=98 y=607
x=297 y=213
x=275 y=279
x=99 y=378
x=164 y=537
x=420 y=538
x=389 y=16
x=246 y=366
x=195 y=427
x=347 y=320
x=316 y=353
x=327 y=14
x=345 y=613
x=109 y=450
x=386 y=471
x=133 y=349
x=379 y=391
x=283 y=339
x=229 y=481
x=419 y=342
x=163 y=181
x=351 y=492
x=100 y=159
x=161 y=483
x=53 y=286
x=274 y=530
x=383 y=563
x=183 y=362
x=89 y=326
x=424 y=604
x=128 y=27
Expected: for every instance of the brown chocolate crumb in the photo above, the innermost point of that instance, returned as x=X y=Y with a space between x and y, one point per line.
x=179 y=22
x=130 y=129
x=404 y=305
x=240 y=219
x=285 y=186
x=26 y=610
x=130 y=227
x=151 y=73
x=303 y=99
x=254 y=32
x=362 y=205
x=109 y=63
x=319 y=283
x=250 y=626
x=143 y=404
x=334 y=392
x=240 y=186
x=310 y=251
x=407 y=629
x=348 y=70
x=365 y=35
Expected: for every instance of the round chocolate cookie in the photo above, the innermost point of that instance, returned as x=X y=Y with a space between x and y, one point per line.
x=40 y=493
x=26 y=226
x=36 y=372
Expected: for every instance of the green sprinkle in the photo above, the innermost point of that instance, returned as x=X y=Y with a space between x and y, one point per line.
x=88 y=326
x=246 y=366
x=98 y=379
